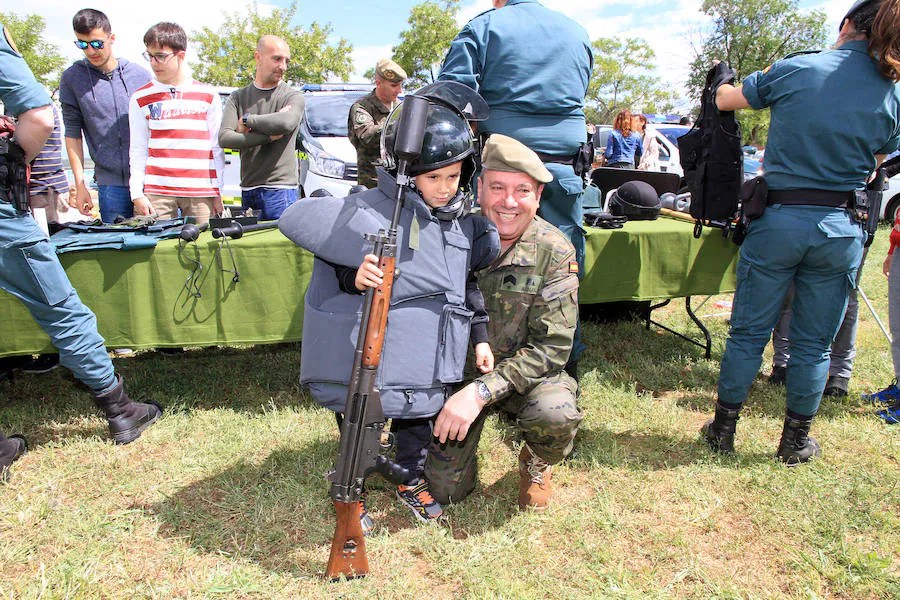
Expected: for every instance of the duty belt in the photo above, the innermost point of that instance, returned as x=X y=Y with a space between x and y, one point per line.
x=812 y=197
x=558 y=159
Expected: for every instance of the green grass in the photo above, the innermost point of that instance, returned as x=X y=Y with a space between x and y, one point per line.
x=226 y=498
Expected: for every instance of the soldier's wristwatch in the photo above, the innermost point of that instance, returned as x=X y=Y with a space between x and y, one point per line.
x=244 y=120
x=482 y=390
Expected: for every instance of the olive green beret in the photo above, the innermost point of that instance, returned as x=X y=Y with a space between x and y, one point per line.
x=503 y=153
x=390 y=71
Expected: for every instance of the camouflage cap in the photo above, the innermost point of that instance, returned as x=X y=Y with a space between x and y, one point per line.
x=503 y=153
x=390 y=71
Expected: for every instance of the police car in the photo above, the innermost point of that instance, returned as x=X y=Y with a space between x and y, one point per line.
x=327 y=158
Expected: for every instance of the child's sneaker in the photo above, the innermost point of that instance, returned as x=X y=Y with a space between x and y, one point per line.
x=889 y=395
x=420 y=501
x=890 y=415
x=365 y=521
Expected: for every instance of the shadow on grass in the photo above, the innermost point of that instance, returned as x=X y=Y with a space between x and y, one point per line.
x=278 y=514
x=650 y=451
x=52 y=405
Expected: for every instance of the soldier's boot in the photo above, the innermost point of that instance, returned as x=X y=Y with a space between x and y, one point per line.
x=127 y=419
x=11 y=449
x=719 y=431
x=535 y=487
x=797 y=446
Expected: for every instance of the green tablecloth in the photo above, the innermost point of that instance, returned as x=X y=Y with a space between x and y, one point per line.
x=656 y=259
x=141 y=301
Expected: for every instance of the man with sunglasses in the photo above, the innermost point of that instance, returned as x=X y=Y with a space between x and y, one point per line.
x=94 y=93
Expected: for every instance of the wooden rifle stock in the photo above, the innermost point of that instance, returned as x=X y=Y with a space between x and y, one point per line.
x=348 y=556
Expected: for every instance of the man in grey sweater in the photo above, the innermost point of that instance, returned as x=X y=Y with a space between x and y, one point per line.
x=94 y=94
x=262 y=121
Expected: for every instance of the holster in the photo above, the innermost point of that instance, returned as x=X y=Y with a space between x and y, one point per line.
x=754 y=197
x=584 y=158
x=13 y=174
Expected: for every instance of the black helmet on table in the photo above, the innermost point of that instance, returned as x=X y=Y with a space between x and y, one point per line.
x=448 y=139
x=636 y=200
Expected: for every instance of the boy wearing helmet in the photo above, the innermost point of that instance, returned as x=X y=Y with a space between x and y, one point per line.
x=435 y=302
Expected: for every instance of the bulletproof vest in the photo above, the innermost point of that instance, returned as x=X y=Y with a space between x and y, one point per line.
x=711 y=156
x=428 y=324
x=13 y=167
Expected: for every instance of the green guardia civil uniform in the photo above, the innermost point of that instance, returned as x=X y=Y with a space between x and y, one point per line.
x=531 y=294
x=364 y=124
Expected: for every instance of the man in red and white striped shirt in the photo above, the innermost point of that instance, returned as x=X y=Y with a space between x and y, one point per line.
x=176 y=161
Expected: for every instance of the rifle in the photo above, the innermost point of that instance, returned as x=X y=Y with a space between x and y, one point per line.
x=361 y=445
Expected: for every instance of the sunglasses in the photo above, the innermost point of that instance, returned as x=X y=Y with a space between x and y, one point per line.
x=95 y=44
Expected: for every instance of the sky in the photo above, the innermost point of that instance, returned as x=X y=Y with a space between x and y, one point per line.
x=671 y=27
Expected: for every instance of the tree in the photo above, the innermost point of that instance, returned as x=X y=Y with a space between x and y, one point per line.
x=43 y=57
x=423 y=46
x=621 y=80
x=750 y=35
x=226 y=56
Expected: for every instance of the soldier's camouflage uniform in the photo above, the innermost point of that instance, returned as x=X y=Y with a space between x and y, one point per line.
x=364 y=124
x=531 y=293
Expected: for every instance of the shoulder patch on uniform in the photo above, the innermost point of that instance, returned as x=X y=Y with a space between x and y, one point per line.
x=10 y=41
x=766 y=70
x=573 y=266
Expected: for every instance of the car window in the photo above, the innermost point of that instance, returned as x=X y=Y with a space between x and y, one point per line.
x=673 y=133
x=326 y=115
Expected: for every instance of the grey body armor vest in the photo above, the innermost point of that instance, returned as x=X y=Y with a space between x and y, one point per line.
x=428 y=322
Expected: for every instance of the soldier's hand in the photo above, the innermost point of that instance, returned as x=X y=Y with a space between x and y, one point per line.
x=886 y=267
x=458 y=414
x=218 y=206
x=368 y=275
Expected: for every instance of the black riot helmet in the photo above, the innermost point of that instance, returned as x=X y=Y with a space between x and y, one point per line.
x=448 y=139
x=636 y=200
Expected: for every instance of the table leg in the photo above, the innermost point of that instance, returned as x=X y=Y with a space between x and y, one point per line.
x=707 y=347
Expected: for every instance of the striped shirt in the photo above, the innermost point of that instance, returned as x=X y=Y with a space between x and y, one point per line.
x=47 y=170
x=175 y=141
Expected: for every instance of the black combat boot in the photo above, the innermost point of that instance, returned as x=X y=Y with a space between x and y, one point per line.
x=127 y=419
x=11 y=449
x=719 y=431
x=796 y=445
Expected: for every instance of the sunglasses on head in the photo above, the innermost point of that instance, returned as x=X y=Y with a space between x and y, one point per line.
x=95 y=44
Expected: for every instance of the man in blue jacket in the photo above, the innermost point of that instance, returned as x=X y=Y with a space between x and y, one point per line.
x=30 y=271
x=533 y=65
x=94 y=93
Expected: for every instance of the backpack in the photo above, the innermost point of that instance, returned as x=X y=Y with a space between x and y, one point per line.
x=712 y=158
